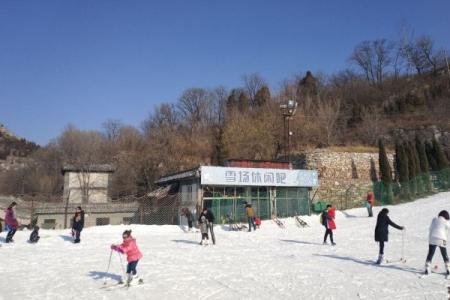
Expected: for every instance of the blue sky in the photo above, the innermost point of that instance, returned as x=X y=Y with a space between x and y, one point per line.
x=83 y=62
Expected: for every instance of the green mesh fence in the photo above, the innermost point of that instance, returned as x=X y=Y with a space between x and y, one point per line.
x=229 y=205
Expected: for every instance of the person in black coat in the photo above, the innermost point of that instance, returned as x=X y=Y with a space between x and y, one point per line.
x=382 y=231
x=78 y=224
x=34 y=236
x=210 y=217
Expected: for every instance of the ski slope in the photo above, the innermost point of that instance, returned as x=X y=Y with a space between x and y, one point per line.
x=271 y=263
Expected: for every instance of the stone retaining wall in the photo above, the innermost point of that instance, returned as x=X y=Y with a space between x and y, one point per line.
x=344 y=177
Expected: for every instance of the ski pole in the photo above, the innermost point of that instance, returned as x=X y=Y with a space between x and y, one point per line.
x=403 y=245
x=107 y=269
x=121 y=265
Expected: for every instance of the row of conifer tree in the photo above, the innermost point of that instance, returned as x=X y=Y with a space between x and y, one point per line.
x=420 y=167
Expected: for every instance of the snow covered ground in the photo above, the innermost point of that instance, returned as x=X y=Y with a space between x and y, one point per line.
x=271 y=263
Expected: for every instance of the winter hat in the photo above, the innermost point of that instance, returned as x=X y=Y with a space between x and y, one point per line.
x=385 y=211
x=444 y=214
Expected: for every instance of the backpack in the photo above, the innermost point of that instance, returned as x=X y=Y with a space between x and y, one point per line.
x=323 y=218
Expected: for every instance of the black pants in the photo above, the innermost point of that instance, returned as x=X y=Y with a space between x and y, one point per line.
x=432 y=249
x=77 y=236
x=211 y=230
x=381 y=252
x=251 y=223
x=330 y=233
x=131 y=267
x=190 y=224
x=10 y=235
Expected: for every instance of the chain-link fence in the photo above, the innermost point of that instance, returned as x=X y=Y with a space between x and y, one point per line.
x=398 y=192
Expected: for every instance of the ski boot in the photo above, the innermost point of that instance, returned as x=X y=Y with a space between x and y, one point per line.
x=129 y=280
x=380 y=259
x=447 y=267
x=427 y=267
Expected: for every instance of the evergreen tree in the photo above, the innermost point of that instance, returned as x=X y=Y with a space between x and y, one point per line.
x=442 y=164
x=385 y=172
x=373 y=171
x=243 y=102
x=424 y=166
x=411 y=168
x=219 y=152
x=233 y=99
x=262 y=96
x=403 y=171
x=439 y=155
x=430 y=156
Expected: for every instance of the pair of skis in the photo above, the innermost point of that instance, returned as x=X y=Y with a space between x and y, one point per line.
x=238 y=227
x=123 y=285
x=300 y=222
x=279 y=222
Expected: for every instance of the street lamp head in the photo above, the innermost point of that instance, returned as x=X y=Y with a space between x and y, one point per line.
x=291 y=104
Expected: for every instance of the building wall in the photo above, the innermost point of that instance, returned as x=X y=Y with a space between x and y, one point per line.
x=344 y=177
x=90 y=219
x=97 y=182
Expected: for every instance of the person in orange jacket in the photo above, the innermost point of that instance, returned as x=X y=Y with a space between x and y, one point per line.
x=250 y=217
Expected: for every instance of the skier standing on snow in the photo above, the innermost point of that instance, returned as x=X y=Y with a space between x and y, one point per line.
x=210 y=218
x=203 y=224
x=438 y=238
x=250 y=217
x=328 y=221
x=370 y=203
x=78 y=224
x=131 y=250
x=11 y=222
x=382 y=231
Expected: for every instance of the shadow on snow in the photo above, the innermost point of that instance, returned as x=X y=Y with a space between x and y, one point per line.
x=185 y=242
x=301 y=242
x=101 y=275
x=372 y=263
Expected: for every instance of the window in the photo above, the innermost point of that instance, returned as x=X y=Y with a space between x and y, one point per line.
x=102 y=221
x=49 y=224
x=127 y=220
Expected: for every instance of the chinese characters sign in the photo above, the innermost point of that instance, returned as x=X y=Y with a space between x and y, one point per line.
x=258 y=177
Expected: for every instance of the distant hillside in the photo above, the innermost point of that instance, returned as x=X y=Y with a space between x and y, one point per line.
x=13 y=145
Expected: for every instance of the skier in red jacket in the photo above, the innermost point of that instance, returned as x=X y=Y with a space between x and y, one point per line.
x=328 y=216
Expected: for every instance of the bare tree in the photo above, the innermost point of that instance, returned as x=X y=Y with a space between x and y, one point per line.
x=373 y=57
x=421 y=54
x=328 y=112
x=165 y=115
x=81 y=151
x=253 y=83
x=111 y=129
x=219 y=104
x=194 y=105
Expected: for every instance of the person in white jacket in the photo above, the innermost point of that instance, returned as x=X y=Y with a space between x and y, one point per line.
x=438 y=238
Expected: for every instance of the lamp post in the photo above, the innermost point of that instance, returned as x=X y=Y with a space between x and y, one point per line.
x=288 y=110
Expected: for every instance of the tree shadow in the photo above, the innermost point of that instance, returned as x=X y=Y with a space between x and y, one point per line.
x=66 y=238
x=96 y=275
x=372 y=263
x=185 y=242
x=301 y=242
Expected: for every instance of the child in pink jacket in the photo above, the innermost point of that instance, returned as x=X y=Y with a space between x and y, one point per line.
x=130 y=248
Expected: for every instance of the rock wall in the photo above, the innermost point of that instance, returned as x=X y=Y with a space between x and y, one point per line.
x=344 y=177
